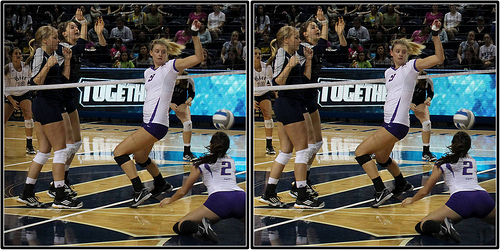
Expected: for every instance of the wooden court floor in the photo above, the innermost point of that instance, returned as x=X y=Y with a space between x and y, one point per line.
x=347 y=220
x=105 y=219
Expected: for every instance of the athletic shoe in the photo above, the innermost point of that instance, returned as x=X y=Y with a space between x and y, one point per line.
x=67 y=202
x=270 y=150
x=205 y=229
x=30 y=200
x=158 y=190
x=309 y=203
x=447 y=229
x=272 y=200
x=428 y=156
x=30 y=150
x=67 y=189
x=309 y=188
x=381 y=197
x=140 y=197
x=189 y=157
x=399 y=191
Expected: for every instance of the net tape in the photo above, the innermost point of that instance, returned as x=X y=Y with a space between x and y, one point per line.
x=101 y=83
x=354 y=81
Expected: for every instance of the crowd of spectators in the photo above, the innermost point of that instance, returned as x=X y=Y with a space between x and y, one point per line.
x=130 y=27
x=467 y=30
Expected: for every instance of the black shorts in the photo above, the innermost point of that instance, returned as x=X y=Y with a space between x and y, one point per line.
x=266 y=96
x=288 y=110
x=179 y=101
x=311 y=100
x=25 y=96
x=47 y=110
x=69 y=106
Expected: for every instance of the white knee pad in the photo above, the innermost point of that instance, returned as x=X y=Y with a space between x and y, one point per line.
x=283 y=158
x=29 y=123
x=41 y=158
x=426 y=126
x=316 y=147
x=269 y=123
x=75 y=147
x=302 y=156
x=187 y=126
x=60 y=156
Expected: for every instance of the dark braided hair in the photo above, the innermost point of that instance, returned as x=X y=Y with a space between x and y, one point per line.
x=219 y=144
x=460 y=145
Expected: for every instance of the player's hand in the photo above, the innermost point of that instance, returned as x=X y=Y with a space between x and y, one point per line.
x=51 y=61
x=340 y=25
x=428 y=101
x=67 y=52
x=293 y=61
x=14 y=103
x=407 y=201
x=99 y=25
x=188 y=102
x=174 y=106
x=79 y=15
x=256 y=105
x=413 y=107
x=308 y=53
x=320 y=16
x=165 y=202
x=436 y=25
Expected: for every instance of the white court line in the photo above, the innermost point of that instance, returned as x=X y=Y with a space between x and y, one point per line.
x=335 y=209
x=86 y=211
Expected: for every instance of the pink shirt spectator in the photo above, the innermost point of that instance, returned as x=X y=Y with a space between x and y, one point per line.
x=419 y=39
x=180 y=38
x=194 y=16
x=429 y=17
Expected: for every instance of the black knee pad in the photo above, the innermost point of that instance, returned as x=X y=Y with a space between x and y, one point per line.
x=363 y=159
x=176 y=228
x=188 y=227
x=122 y=159
x=385 y=164
x=145 y=164
x=430 y=227
x=417 y=228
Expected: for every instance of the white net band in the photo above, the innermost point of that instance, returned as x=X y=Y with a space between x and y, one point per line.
x=100 y=83
x=354 y=81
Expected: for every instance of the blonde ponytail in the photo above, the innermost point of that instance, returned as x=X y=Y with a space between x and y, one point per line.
x=284 y=32
x=41 y=33
x=172 y=47
x=414 y=49
x=32 y=51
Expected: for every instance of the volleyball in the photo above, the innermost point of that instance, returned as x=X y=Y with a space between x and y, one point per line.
x=223 y=119
x=464 y=119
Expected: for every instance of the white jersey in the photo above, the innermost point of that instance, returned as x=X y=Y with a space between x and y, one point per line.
x=159 y=86
x=14 y=78
x=400 y=84
x=262 y=78
x=220 y=176
x=461 y=176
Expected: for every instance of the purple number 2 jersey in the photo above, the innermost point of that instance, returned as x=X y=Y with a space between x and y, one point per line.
x=220 y=176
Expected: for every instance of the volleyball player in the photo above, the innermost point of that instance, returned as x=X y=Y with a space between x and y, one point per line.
x=75 y=39
x=160 y=81
x=49 y=124
x=262 y=76
x=182 y=99
x=312 y=38
x=467 y=198
x=422 y=96
x=289 y=108
x=18 y=73
x=400 y=84
x=225 y=198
